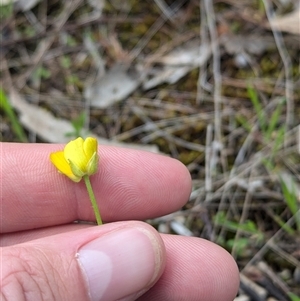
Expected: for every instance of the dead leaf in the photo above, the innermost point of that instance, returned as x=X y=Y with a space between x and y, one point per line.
x=238 y=44
x=114 y=86
x=22 y=5
x=97 y=5
x=288 y=23
x=177 y=64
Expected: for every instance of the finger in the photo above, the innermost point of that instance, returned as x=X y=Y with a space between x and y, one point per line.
x=195 y=267
x=118 y=261
x=129 y=184
x=13 y=238
x=196 y=270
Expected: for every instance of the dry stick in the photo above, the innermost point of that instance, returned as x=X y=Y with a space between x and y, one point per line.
x=211 y=19
x=258 y=84
x=157 y=103
x=165 y=9
x=202 y=79
x=298 y=139
x=287 y=66
x=276 y=281
x=208 y=181
x=291 y=259
x=208 y=170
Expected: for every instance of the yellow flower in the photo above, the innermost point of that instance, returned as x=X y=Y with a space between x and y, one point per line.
x=79 y=158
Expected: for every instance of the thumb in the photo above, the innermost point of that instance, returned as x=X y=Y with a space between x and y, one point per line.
x=118 y=261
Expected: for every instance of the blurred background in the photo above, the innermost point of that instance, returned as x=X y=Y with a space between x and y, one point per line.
x=214 y=84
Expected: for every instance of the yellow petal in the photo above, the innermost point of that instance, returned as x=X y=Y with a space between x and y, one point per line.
x=58 y=159
x=90 y=146
x=74 y=152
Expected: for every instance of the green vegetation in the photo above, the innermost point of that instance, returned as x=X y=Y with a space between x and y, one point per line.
x=13 y=119
x=78 y=125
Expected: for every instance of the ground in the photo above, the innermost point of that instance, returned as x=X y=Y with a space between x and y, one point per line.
x=214 y=84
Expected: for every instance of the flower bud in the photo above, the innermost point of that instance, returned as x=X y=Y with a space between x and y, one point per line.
x=79 y=158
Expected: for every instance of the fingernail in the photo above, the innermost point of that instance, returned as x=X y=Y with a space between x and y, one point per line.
x=120 y=263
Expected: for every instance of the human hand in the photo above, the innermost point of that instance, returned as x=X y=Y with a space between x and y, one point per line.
x=45 y=256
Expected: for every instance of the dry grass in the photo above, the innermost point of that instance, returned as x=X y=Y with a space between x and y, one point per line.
x=233 y=119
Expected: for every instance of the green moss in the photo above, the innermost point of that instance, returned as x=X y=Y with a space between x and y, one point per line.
x=187 y=157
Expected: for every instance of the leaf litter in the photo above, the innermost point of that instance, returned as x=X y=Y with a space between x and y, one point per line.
x=174 y=78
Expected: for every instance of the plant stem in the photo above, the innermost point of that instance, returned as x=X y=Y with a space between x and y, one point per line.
x=92 y=198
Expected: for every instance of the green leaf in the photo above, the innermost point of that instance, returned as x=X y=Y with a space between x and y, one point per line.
x=290 y=196
x=293 y=297
x=244 y=122
x=274 y=121
x=257 y=107
x=78 y=125
x=15 y=124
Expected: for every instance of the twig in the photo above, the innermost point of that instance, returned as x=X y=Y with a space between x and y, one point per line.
x=287 y=66
x=202 y=79
x=165 y=9
x=208 y=170
x=276 y=282
x=211 y=19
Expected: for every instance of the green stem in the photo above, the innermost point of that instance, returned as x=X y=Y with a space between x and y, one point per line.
x=92 y=198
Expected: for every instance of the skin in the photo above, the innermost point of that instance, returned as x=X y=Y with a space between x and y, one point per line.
x=39 y=206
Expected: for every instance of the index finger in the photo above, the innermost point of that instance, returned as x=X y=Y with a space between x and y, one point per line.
x=129 y=184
